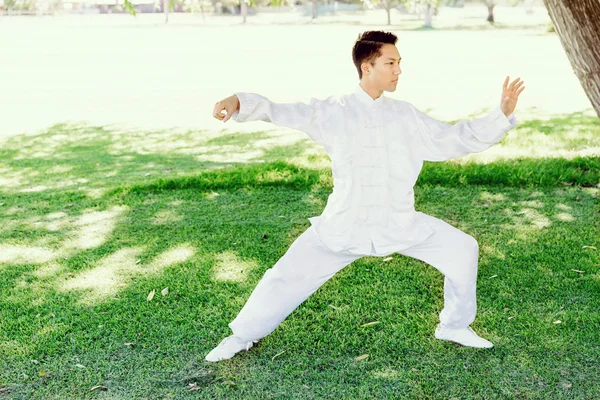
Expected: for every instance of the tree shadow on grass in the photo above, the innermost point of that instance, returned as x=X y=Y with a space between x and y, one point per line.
x=79 y=293
x=233 y=235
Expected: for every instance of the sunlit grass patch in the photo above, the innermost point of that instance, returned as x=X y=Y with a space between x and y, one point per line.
x=230 y=267
x=77 y=271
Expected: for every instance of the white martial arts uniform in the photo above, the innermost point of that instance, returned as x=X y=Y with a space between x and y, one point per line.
x=377 y=148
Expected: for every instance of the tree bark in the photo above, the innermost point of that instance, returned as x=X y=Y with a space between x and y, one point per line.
x=490 y=17
x=577 y=23
x=428 y=16
x=166 y=4
x=244 y=10
x=388 y=10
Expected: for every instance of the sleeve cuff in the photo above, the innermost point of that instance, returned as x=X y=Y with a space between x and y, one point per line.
x=512 y=119
x=499 y=124
x=501 y=121
x=248 y=103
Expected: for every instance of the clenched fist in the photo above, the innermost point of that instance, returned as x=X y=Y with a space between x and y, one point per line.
x=229 y=105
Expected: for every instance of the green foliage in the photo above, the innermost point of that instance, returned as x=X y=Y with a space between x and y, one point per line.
x=129 y=7
x=24 y=5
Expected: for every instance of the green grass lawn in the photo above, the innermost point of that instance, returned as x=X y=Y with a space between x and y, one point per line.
x=94 y=219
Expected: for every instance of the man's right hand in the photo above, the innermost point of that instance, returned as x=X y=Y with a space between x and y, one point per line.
x=229 y=105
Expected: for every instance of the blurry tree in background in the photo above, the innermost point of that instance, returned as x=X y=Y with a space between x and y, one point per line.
x=490 y=4
x=427 y=8
x=577 y=23
x=387 y=6
x=430 y=9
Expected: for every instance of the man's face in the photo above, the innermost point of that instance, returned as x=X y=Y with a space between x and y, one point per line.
x=383 y=75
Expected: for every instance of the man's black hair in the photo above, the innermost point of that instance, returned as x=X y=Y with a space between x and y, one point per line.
x=368 y=45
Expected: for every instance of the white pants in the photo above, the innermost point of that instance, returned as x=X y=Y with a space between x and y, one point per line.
x=308 y=264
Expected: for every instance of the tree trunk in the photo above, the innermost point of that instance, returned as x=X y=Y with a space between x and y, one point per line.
x=428 y=16
x=388 y=10
x=314 y=9
x=166 y=9
x=244 y=11
x=490 y=17
x=577 y=23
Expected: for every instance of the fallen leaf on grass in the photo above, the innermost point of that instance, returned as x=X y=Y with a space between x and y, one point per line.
x=193 y=386
x=129 y=344
x=558 y=321
x=278 y=354
x=139 y=260
x=338 y=308
x=388 y=259
x=165 y=291
x=578 y=271
x=3 y=389
x=230 y=383
x=99 y=387
x=151 y=295
x=80 y=366
x=43 y=373
x=370 y=323
x=361 y=357
x=493 y=276
x=511 y=317
x=590 y=247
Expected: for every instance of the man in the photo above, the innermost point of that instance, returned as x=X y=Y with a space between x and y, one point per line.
x=377 y=146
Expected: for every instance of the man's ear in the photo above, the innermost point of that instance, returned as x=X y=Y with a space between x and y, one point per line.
x=364 y=68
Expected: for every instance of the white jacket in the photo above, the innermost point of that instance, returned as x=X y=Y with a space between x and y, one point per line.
x=377 y=148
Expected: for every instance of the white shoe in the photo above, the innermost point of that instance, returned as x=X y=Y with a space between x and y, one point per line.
x=464 y=336
x=228 y=347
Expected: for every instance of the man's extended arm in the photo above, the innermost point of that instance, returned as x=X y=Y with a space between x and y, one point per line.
x=442 y=141
x=304 y=117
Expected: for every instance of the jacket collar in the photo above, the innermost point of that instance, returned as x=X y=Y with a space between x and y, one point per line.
x=364 y=98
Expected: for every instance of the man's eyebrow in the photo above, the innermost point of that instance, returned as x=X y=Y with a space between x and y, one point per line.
x=394 y=59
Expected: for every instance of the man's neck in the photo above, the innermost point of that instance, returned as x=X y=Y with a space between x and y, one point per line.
x=373 y=92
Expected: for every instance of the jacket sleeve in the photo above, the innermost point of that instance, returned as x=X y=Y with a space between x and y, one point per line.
x=304 y=117
x=441 y=141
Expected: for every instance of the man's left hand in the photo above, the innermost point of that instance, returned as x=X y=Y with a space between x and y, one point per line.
x=510 y=95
